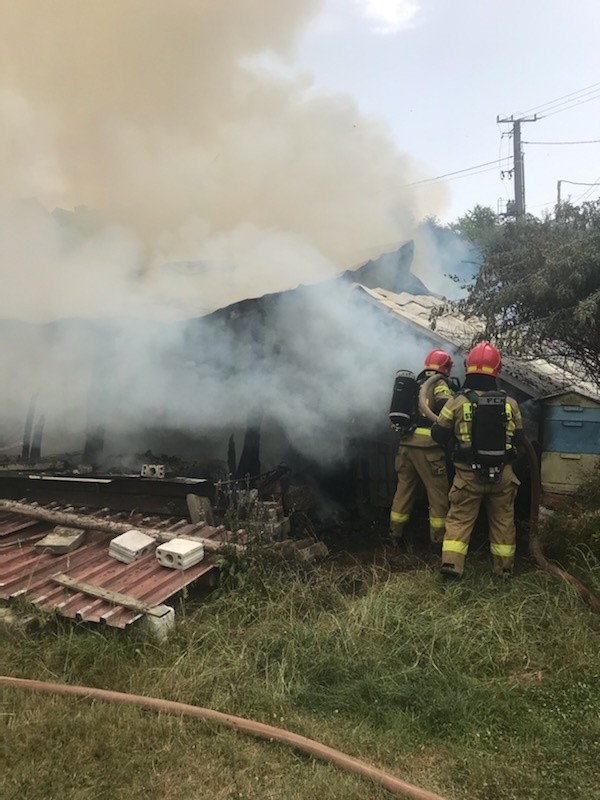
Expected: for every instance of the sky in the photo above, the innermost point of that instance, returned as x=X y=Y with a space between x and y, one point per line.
x=440 y=72
x=268 y=143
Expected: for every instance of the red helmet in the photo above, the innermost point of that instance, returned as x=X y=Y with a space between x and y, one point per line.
x=483 y=359
x=439 y=361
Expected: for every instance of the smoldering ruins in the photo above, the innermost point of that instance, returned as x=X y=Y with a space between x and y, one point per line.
x=176 y=211
x=267 y=420
x=289 y=378
x=184 y=221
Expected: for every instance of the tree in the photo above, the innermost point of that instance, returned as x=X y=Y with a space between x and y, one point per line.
x=539 y=287
x=480 y=225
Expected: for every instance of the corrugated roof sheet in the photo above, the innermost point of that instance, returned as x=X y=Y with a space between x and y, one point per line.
x=536 y=376
x=417 y=308
x=26 y=573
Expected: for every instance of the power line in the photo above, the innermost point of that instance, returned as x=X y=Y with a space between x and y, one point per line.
x=470 y=174
x=564 y=97
x=459 y=172
x=568 y=107
x=586 y=194
x=546 y=110
x=586 y=141
x=454 y=178
x=577 y=183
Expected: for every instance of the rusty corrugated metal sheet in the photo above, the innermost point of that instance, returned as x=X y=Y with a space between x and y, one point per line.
x=27 y=573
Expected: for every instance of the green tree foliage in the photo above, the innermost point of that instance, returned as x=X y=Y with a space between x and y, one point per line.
x=480 y=225
x=539 y=287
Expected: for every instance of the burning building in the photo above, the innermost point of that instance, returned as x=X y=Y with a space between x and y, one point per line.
x=300 y=377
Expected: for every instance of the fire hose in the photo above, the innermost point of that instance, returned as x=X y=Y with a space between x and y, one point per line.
x=535 y=542
x=309 y=746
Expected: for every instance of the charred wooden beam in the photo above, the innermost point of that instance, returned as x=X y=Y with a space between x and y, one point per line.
x=35 y=451
x=249 y=463
x=28 y=428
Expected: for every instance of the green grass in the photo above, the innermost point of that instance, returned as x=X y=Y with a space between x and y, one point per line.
x=478 y=690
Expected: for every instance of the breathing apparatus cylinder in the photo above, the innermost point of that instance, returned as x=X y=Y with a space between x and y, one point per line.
x=404 y=399
x=489 y=429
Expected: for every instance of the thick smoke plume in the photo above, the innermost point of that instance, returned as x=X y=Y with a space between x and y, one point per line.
x=153 y=115
x=186 y=176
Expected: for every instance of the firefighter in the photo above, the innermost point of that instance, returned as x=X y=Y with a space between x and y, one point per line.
x=486 y=426
x=420 y=459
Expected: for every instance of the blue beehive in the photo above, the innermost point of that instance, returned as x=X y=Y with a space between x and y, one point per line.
x=570 y=440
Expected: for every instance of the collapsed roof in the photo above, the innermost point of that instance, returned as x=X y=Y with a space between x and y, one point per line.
x=537 y=377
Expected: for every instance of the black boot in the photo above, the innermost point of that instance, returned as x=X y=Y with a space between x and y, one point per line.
x=449 y=574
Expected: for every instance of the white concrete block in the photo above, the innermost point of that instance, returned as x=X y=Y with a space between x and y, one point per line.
x=130 y=546
x=180 y=553
x=153 y=471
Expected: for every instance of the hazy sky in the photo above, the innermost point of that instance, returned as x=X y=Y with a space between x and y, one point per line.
x=440 y=72
x=274 y=141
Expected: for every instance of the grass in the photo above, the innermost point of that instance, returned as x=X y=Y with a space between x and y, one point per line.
x=478 y=690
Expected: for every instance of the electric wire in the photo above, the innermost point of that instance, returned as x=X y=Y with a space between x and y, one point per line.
x=562 y=99
x=569 y=107
x=583 y=197
x=581 y=98
x=457 y=177
x=460 y=172
x=579 y=183
x=558 y=106
x=584 y=141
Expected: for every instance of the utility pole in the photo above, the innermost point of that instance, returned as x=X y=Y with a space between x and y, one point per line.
x=518 y=210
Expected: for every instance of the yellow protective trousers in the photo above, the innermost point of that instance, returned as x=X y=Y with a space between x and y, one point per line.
x=466 y=497
x=426 y=465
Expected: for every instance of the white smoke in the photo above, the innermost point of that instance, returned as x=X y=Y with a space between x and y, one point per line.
x=150 y=115
x=190 y=177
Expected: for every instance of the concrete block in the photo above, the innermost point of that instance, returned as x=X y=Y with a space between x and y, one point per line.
x=180 y=553
x=153 y=470
x=130 y=546
x=61 y=540
x=160 y=626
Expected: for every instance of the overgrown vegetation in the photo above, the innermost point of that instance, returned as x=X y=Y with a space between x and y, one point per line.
x=539 y=287
x=480 y=690
x=572 y=533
